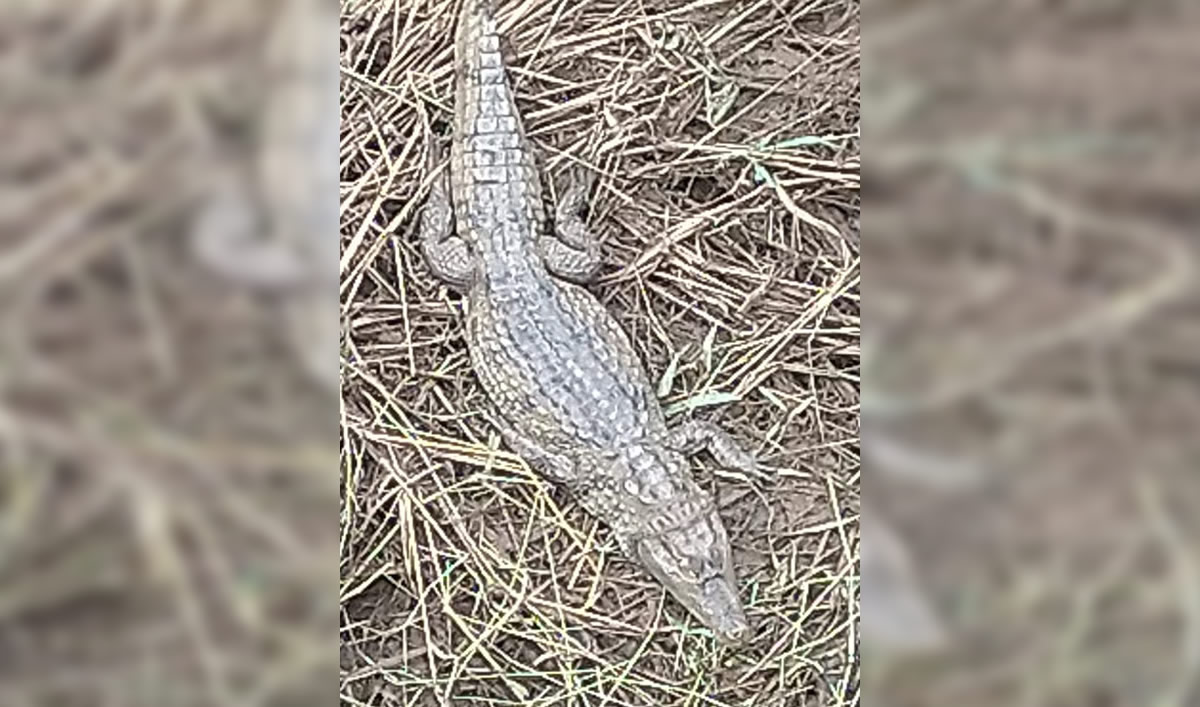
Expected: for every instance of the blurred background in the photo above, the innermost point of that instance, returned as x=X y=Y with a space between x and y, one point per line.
x=168 y=366
x=1030 y=396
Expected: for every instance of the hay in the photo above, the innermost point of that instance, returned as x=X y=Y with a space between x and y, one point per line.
x=725 y=135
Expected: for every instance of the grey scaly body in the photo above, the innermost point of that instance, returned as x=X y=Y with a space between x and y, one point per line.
x=567 y=390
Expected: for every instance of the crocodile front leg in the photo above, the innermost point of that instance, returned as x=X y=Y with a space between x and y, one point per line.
x=572 y=253
x=446 y=254
x=694 y=436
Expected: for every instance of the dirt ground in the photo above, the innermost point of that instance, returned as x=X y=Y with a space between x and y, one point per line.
x=725 y=136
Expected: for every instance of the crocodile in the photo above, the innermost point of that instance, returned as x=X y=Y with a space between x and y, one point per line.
x=564 y=386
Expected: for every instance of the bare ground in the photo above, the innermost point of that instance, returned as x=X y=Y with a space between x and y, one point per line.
x=725 y=136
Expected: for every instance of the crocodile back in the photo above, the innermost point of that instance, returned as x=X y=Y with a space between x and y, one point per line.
x=558 y=366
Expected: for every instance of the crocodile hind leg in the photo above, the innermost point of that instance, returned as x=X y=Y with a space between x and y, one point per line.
x=695 y=435
x=446 y=254
x=572 y=253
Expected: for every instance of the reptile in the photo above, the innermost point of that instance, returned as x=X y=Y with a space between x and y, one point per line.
x=564 y=386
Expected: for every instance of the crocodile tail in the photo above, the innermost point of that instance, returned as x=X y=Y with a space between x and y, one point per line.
x=476 y=28
x=473 y=21
x=480 y=6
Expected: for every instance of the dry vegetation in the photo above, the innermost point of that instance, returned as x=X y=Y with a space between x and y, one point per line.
x=725 y=135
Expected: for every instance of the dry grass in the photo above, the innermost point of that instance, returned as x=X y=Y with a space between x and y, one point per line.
x=725 y=135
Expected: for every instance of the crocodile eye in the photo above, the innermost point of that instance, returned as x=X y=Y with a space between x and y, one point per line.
x=715 y=556
x=684 y=566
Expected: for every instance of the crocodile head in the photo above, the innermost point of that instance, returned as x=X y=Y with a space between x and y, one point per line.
x=693 y=563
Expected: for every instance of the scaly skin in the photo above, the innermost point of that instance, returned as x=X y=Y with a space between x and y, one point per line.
x=568 y=393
